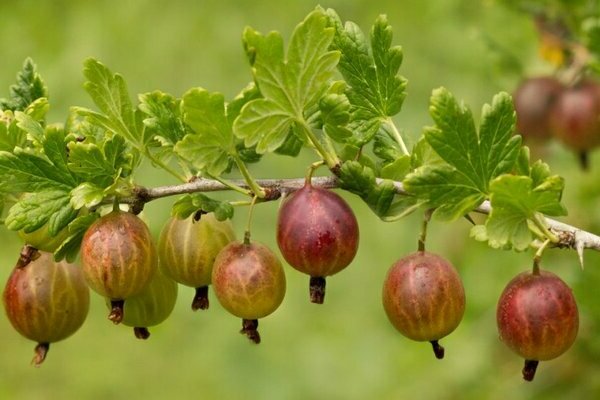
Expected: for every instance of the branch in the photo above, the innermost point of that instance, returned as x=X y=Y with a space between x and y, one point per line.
x=569 y=236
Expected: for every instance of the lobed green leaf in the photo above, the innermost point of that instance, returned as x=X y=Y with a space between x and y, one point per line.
x=26 y=172
x=361 y=181
x=375 y=90
x=518 y=202
x=100 y=163
x=162 y=116
x=192 y=203
x=28 y=88
x=289 y=85
x=34 y=210
x=109 y=92
x=470 y=159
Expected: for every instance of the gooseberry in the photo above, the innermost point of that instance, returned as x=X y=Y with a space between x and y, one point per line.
x=249 y=282
x=46 y=301
x=537 y=318
x=424 y=298
x=317 y=234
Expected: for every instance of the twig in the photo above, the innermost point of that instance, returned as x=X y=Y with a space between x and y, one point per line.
x=568 y=236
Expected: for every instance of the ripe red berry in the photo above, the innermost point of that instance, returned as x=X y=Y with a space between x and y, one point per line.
x=575 y=119
x=151 y=306
x=537 y=318
x=187 y=250
x=46 y=301
x=249 y=282
x=424 y=298
x=534 y=99
x=119 y=258
x=317 y=234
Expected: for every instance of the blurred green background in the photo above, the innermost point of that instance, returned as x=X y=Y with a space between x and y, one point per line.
x=344 y=349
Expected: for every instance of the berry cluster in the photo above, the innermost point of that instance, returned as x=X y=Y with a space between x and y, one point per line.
x=547 y=108
x=317 y=233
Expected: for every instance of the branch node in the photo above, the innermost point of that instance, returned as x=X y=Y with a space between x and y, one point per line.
x=141 y=197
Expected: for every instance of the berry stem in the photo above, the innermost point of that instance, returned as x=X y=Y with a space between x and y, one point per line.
x=232 y=186
x=537 y=258
x=329 y=156
x=310 y=171
x=249 y=223
x=538 y=221
x=250 y=329
x=529 y=369
x=438 y=350
x=423 y=235
x=40 y=351
x=257 y=191
x=200 y=301
x=146 y=151
x=317 y=289
x=116 y=311
x=116 y=205
x=141 y=332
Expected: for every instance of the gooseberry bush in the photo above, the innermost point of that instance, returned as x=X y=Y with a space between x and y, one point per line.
x=70 y=189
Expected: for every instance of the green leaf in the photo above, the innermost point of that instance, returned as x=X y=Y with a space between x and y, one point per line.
x=234 y=107
x=291 y=146
x=247 y=154
x=479 y=157
x=591 y=30
x=22 y=171
x=109 y=92
x=376 y=91
x=263 y=124
x=34 y=210
x=361 y=180
x=86 y=195
x=472 y=159
x=290 y=84
x=522 y=164
x=10 y=136
x=397 y=169
x=29 y=87
x=335 y=114
x=517 y=203
x=118 y=155
x=445 y=189
x=34 y=130
x=498 y=146
x=401 y=207
x=70 y=246
x=211 y=145
x=191 y=203
x=100 y=166
x=162 y=116
x=335 y=109
x=422 y=154
x=38 y=109
x=386 y=148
